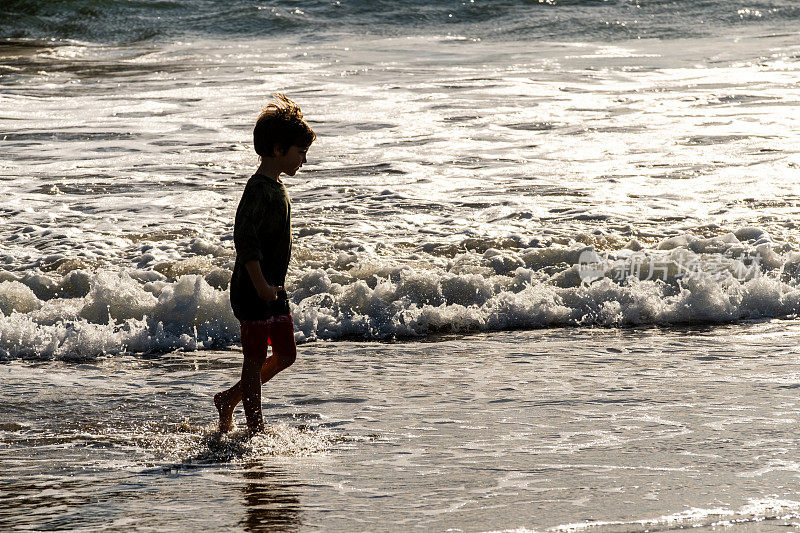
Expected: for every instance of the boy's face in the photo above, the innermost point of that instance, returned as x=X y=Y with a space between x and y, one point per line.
x=292 y=160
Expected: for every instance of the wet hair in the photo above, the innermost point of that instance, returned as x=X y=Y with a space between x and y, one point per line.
x=280 y=126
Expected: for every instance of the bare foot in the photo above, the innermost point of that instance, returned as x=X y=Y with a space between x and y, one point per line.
x=225 y=413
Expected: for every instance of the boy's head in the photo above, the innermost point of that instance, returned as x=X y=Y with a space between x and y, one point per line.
x=280 y=126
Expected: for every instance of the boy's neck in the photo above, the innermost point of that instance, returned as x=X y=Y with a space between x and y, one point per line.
x=269 y=168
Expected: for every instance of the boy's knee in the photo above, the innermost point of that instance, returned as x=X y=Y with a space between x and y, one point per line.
x=288 y=358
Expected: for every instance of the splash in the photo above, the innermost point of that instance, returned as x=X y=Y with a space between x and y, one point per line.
x=190 y=444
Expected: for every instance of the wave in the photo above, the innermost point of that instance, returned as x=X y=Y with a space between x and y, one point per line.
x=684 y=280
x=527 y=20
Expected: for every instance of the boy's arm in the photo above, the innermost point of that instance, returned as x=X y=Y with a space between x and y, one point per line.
x=265 y=290
x=249 y=216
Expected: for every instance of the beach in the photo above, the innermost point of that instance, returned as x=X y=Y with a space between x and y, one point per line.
x=544 y=273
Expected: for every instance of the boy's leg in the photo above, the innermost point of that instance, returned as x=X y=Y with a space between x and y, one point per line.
x=254 y=346
x=283 y=356
x=284 y=350
x=254 y=349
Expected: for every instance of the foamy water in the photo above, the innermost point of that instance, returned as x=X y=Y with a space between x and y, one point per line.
x=450 y=192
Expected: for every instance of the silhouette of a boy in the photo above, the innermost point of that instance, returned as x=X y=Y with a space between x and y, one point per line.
x=263 y=241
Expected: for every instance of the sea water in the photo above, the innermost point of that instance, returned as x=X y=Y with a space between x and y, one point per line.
x=545 y=270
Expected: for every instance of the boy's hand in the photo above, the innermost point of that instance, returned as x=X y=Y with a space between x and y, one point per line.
x=265 y=291
x=268 y=292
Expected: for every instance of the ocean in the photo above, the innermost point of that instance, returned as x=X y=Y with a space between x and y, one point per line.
x=545 y=277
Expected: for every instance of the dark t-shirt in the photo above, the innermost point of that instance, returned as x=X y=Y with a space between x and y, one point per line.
x=262 y=231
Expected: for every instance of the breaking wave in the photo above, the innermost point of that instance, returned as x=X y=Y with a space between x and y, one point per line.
x=683 y=280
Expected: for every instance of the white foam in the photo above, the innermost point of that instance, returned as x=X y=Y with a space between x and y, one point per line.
x=755 y=511
x=718 y=287
x=119 y=315
x=195 y=444
x=14 y=296
x=85 y=313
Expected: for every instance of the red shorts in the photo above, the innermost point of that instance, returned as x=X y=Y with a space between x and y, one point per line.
x=276 y=331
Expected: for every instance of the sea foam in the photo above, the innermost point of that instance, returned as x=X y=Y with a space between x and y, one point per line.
x=682 y=280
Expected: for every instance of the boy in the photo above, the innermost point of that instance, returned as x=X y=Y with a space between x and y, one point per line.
x=263 y=241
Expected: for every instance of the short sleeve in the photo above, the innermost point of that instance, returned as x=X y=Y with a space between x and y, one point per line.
x=249 y=216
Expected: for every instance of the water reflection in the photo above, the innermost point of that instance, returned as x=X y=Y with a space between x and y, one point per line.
x=270 y=502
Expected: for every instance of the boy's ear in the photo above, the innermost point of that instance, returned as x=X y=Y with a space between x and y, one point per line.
x=276 y=150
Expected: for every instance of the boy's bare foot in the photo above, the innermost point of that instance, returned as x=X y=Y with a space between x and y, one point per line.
x=225 y=412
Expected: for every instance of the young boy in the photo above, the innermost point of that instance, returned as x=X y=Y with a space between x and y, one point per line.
x=263 y=241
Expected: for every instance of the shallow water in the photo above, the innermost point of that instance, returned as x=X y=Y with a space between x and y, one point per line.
x=566 y=429
x=450 y=191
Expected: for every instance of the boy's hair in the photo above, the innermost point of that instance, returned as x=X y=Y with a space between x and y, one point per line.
x=280 y=125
